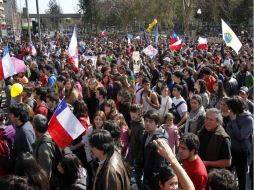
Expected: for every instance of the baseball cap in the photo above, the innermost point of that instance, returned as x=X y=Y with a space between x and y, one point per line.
x=244 y=89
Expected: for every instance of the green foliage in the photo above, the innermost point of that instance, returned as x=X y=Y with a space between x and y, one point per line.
x=133 y=13
x=54 y=8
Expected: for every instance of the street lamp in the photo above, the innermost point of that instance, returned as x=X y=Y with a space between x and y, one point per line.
x=199 y=12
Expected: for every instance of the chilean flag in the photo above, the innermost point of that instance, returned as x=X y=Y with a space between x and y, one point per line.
x=104 y=33
x=32 y=49
x=64 y=127
x=173 y=38
x=73 y=49
x=7 y=68
x=176 y=46
x=202 y=43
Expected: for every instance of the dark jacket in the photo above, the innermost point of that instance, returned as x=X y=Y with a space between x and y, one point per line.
x=152 y=160
x=215 y=140
x=24 y=139
x=190 y=83
x=113 y=175
x=48 y=155
x=135 y=143
x=240 y=131
x=43 y=152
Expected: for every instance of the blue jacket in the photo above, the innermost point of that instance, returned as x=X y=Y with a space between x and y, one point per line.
x=24 y=139
x=240 y=131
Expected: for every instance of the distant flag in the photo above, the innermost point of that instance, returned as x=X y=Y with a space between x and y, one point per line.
x=7 y=68
x=104 y=33
x=146 y=38
x=202 y=43
x=130 y=37
x=73 y=49
x=173 y=38
x=230 y=38
x=156 y=36
x=176 y=46
x=64 y=127
x=32 y=49
x=151 y=25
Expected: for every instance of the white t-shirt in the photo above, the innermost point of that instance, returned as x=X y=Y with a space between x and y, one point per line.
x=166 y=104
x=138 y=90
x=182 y=108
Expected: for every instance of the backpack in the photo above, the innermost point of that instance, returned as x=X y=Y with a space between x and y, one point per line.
x=55 y=175
x=173 y=110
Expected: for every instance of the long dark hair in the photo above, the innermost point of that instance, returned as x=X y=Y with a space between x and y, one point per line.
x=203 y=87
x=27 y=166
x=80 y=109
x=71 y=166
x=221 y=92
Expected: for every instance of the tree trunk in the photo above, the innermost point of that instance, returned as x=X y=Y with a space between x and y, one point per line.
x=187 y=4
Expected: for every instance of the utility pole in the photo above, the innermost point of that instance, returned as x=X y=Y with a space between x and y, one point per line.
x=39 y=23
x=27 y=15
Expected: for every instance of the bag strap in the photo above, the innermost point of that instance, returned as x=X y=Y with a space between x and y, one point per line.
x=180 y=103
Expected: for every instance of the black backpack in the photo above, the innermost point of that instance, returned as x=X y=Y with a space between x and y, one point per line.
x=173 y=110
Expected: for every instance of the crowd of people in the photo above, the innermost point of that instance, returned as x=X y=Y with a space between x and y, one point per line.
x=178 y=120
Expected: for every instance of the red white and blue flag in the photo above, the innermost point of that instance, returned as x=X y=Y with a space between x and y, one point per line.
x=173 y=38
x=32 y=49
x=202 y=43
x=104 y=33
x=64 y=127
x=7 y=68
x=73 y=49
x=176 y=46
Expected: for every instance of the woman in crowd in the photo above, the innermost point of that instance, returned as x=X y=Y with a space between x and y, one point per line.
x=90 y=99
x=73 y=175
x=217 y=94
x=81 y=112
x=98 y=123
x=68 y=87
x=201 y=89
x=119 y=119
x=224 y=111
x=166 y=101
x=196 y=117
x=26 y=166
x=110 y=109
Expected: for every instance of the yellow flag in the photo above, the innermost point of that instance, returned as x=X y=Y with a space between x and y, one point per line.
x=151 y=25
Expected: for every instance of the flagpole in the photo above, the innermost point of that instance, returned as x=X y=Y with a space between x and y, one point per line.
x=27 y=16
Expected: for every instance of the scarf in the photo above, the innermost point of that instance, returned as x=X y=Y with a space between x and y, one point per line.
x=201 y=111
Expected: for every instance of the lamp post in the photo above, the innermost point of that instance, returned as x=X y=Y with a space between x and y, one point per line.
x=199 y=12
x=39 y=23
x=29 y=31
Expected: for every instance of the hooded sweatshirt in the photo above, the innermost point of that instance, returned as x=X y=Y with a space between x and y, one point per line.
x=240 y=131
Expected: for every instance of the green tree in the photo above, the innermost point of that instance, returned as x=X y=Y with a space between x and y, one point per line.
x=54 y=9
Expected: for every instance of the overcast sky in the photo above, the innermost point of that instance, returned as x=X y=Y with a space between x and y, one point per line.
x=68 y=6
